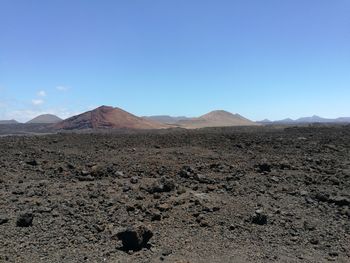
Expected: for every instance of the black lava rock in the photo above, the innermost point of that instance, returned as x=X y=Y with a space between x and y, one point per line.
x=32 y=162
x=264 y=167
x=135 y=238
x=25 y=220
x=134 y=180
x=259 y=218
x=3 y=219
x=340 y=201
x=162 y=185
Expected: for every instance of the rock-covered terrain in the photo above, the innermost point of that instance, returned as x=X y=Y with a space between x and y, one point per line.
x=212 y=195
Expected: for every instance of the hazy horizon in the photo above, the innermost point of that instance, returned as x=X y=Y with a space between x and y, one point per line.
x=260 y=59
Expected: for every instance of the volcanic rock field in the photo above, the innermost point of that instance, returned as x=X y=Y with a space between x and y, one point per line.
x=249 y=194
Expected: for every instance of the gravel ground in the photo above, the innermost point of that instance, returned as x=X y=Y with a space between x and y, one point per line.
x=211 y=195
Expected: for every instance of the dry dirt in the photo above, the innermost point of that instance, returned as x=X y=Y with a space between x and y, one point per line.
x=213 y=195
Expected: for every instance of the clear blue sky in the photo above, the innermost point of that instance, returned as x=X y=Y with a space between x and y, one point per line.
x=263 y=59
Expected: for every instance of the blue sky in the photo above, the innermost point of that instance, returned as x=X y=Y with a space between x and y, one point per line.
x=263 y=59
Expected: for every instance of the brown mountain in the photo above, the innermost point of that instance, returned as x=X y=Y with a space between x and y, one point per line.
x=108 y=117
x=45 y=118
x=218 y=118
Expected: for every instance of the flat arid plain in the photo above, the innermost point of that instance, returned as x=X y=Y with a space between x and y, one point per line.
x=239 y=194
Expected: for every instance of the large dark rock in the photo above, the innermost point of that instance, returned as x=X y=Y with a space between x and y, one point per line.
x=32 y=162
x=340 y=200
x=163 y=185
x=3 y=219
x=25 y=219
x=259 y=218
x=263 y=167
x=322 y=197
x=135 y=238
x=186 y=172
x=203 y=179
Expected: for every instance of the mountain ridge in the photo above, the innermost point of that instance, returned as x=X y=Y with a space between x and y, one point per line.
x=311 y=119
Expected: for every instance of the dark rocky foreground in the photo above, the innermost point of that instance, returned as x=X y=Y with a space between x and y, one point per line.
x=215 y=195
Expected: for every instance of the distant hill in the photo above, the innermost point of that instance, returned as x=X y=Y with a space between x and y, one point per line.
x=343 y=120
x=313 y=119
x=8 y=122
x=45 y=118
x=285 y=121
x=264 y=122
x=217 y=118
x=108 y=117
x=166 y=118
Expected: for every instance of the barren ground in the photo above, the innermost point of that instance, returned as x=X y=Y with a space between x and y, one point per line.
x=212 y=195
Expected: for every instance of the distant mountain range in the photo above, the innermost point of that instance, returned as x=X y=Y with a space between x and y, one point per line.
x=109 y=117
x=304 y=120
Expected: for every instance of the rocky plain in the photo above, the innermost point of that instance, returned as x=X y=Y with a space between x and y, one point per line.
x=253 y=194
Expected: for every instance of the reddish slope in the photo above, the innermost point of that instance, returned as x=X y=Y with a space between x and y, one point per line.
x=218 y=118
x=107 y=117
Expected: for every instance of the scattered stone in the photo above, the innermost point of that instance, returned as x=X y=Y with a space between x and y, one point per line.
x=87 y=178
x=294 y=239
x=134 y=180
x=85 y=173
x=99 y=227
x=274 y=179
x=314 y=241
x=211 y=188
x=126 y=188
x=259 y=217
x=70 y=166
x=164 y=207
x=322 y=197
x=203 y=179
x=162 y=185
x=264 y=167
x=25 y=219
x=303 y=193
x=333 y=254
x=340 y=200
x=32 y=162
x=166 y=252
x=168 y=184
x=309 y=225
x=119 y=174
x=186 y=172
x=156 y=216
x=97 y=170
x=285 y=165
x=3 y=219
x=135 y=238
x=201 y=220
